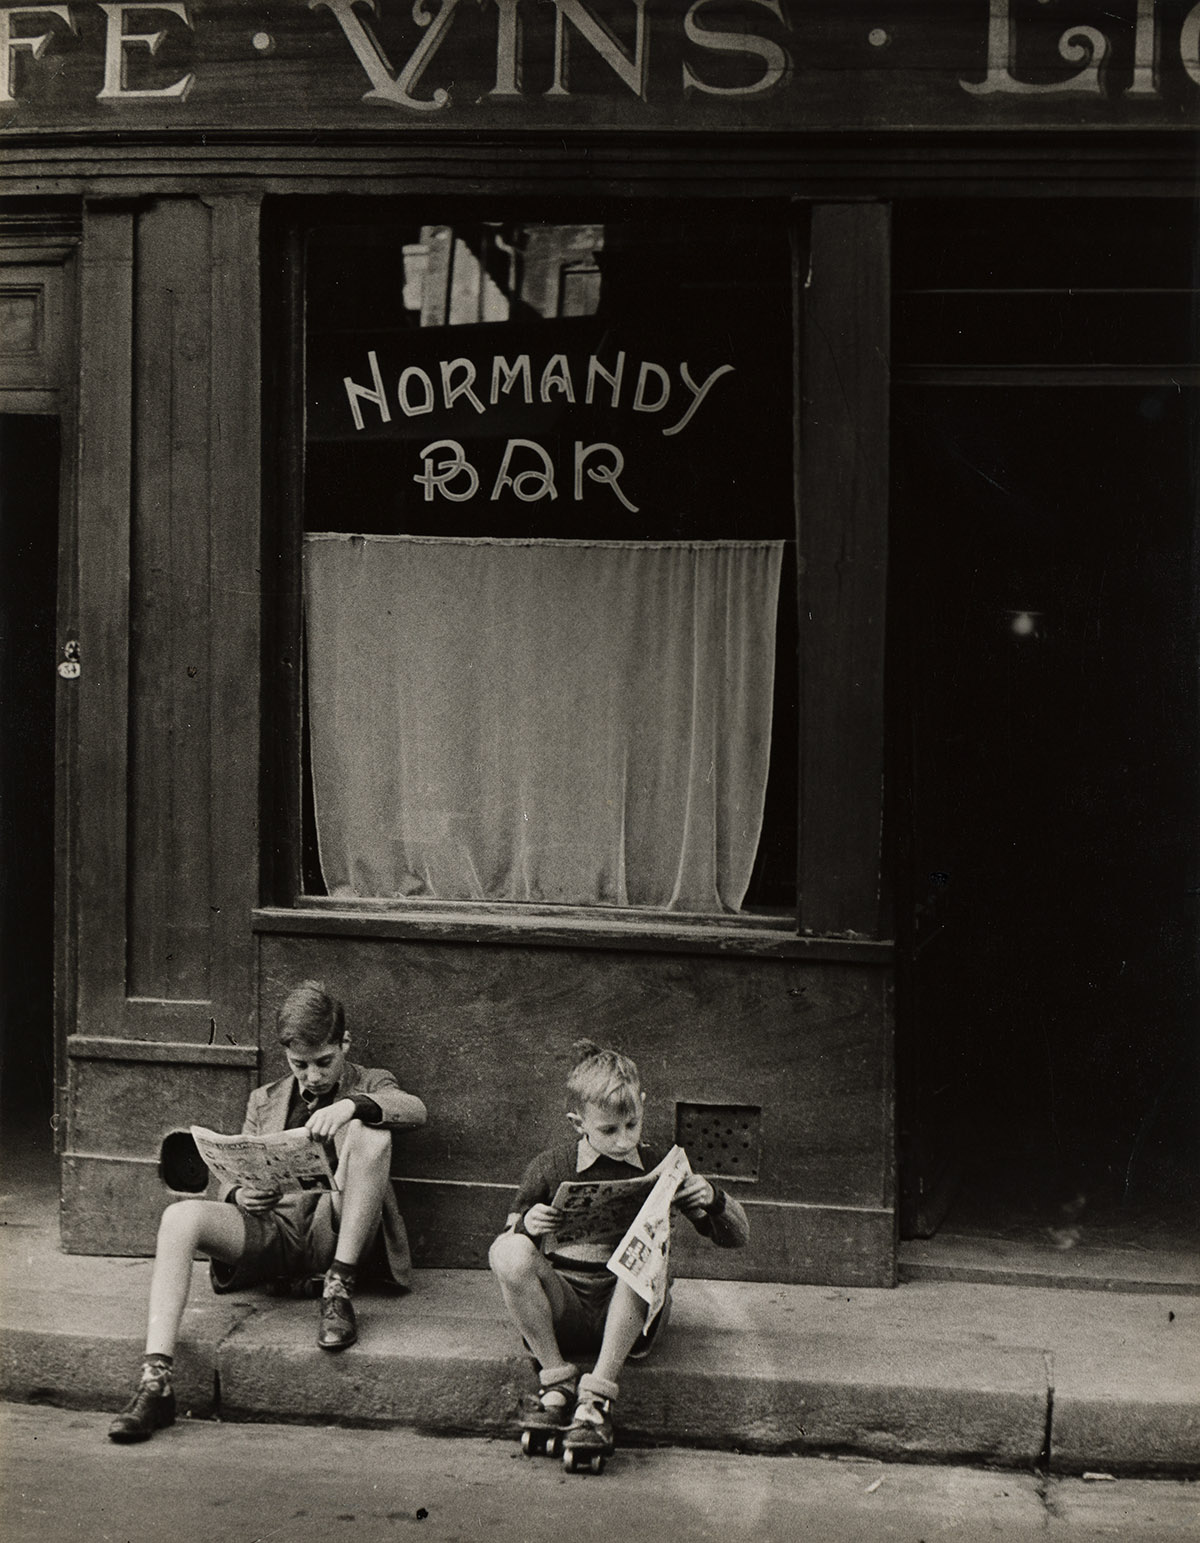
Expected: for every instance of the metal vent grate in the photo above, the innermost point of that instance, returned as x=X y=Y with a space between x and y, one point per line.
x=724 y=1139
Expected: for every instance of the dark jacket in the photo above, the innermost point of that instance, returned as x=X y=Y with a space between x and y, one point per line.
x=267 y=1110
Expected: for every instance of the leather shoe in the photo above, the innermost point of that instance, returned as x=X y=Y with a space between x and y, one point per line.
x=147 y=1411
x=337 y=1329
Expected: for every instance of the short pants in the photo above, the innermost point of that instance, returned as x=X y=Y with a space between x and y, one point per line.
x=579 y=1327
x=293 y=1241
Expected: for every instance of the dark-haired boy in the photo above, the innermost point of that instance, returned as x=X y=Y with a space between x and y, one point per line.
x=262 y=1237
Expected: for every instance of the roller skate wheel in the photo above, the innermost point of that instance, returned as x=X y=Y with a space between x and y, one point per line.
x=569 y=1459
x=554 y=1446
x=527 y=1443
x=597 y=1463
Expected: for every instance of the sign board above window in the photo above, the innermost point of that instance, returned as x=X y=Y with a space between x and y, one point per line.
x=389 y=65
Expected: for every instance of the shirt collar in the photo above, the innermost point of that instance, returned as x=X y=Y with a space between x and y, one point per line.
x=312 y=1100
x=586 y=1155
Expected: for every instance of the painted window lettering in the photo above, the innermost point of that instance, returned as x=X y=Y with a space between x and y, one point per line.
x=456 y=478
x=416 y=394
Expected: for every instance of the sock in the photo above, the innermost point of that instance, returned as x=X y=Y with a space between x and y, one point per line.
x=347 y=1274
x=157 y=1372
x=548 y=1376
x=593 y=1388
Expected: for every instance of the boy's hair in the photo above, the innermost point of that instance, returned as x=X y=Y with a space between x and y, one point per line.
x=310 y=1017
x=605 y=1078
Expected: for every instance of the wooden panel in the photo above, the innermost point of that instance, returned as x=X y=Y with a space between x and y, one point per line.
x=234 y=509
x=897 y=164
x=124 y=1108
x=451 y=1227
x=85 y=1047
x=105 y=428
x=801 y=1244
x=538 y=926
x=843 y=545
x=125 y=1099
x=169 y=603
x=826 y=64
x=32 y=326
x=66 y=759
x=170 y=674
x=484 y=1036
x=194 y=613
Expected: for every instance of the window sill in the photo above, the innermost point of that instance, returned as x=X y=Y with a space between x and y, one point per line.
x=759 y=936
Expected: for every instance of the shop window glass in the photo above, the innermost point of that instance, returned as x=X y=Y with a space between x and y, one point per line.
x=549 y=515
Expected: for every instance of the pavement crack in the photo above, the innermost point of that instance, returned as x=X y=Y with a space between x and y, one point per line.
x=1046 y=1455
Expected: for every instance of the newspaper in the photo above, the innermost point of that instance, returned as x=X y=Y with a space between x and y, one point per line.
x=642 y=1258
x=283 y=1160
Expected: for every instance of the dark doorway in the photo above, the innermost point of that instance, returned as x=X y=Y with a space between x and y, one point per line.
x=1046 y=641
x=29 y=490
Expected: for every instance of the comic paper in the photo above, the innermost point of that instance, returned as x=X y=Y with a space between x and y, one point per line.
x=283 y=1160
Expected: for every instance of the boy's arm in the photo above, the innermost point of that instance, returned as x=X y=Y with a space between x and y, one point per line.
x=396 y=1108
x=534 y=1189
x=251 y=1126
x=723 y=1221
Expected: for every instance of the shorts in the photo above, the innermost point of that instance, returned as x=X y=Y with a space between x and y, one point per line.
x=293 y=1241
x=579 y=1327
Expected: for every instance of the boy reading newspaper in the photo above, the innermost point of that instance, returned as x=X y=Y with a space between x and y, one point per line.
x=268 y=1231
x=552 y=1261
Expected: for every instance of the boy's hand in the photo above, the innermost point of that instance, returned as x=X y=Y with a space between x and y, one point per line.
x=325 y=1123
x=258 y=1199
x=541 y=1219
x=695 y=1192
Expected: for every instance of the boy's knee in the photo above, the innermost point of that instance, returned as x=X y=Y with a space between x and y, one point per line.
x=182 y=1218
x=511 y=1255
x=369 y=1141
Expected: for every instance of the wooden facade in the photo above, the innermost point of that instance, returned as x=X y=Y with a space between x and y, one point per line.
x=155 y=198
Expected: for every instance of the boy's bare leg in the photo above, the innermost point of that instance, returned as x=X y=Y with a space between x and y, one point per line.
x=363 y=1175
x=626 y=1317
x=532 y=1293
x=187 y=1227
x=590 y=1437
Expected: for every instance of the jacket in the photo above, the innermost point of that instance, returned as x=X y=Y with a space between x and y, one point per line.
x=267 y=1110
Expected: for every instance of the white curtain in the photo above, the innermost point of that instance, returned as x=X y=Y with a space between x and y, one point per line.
x=572 y=722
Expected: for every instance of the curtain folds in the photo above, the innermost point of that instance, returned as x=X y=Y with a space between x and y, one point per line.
x=570 y=722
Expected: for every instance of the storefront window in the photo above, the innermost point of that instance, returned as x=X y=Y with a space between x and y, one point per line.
x=548 y=522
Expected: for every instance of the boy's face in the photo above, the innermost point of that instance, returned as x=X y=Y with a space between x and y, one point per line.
x=318 y=1071
x=612 y=1132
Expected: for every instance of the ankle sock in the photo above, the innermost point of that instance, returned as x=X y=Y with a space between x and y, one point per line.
x=346 y=1274
x=593 y=1388
x=157 y=1372
x=555 y=1377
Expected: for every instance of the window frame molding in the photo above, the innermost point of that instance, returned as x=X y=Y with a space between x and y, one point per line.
x=839 y=348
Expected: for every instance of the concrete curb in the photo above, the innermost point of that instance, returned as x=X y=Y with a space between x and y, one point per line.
x=943 y=1372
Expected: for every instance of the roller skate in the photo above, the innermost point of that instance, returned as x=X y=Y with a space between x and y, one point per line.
x=546 y=1416
x=590 y=1441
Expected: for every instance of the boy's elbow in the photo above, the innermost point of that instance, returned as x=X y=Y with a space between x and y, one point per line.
x=731 y=1229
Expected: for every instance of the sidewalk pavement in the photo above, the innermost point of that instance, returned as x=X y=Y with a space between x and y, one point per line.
x=938 y=1371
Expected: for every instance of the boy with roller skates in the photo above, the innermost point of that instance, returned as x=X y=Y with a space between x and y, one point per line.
x=567 y=1303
